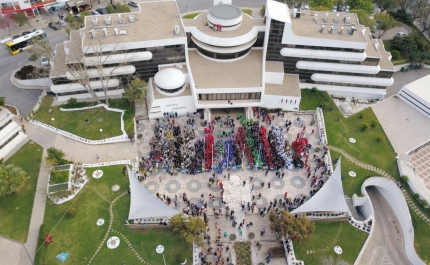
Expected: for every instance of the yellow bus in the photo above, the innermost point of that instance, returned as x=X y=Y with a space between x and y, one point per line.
x=23 y=43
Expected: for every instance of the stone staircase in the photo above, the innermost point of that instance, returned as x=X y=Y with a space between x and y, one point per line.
x=352 y=208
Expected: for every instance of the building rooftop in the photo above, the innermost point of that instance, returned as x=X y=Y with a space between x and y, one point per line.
x=157 y=95
x=420 y=88
x=59 y=60
x=244 y=73
x=277 y=67
x=201 y=23
x=74 y=47
x=372 y=44
x=290 y=87
x=385 y=62
x=156 y=20
x=305 y=26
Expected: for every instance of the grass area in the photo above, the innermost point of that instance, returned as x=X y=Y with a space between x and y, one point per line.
x=58 y=177
x=247 y=11
x=80 y=236
x=352 y=185
x=191 y=16
x=15 y=210
x=339 y=129
x=350 y=240
x=74 y=121
x=387 y=45
x=388 y=48
x=422 y=237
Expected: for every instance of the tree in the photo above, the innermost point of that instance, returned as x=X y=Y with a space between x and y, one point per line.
x=134 y=90
x=366 y=5
x=404 y=4
x=322 y=3
x=55 y=156
x=12 y=179
x=424 y=19
x=403 y=44
x=384 y=23
x=263 y=11
x=21 y=19
x=118 y=8
x=39 y=47
x=7 y=21
x=190 y=228
x=295 y=228
x=417 y=8
x=385 y=4
x=364 y=18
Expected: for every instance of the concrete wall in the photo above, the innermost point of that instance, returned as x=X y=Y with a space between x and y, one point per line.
x=274 y=101
x=35 y=82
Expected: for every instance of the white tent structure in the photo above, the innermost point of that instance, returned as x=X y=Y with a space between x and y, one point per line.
x=143 y=204
x=330 y=198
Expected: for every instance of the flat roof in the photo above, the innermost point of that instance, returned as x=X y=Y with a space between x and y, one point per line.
x=225 y=11
x=305 y=26
x=420 y=87
x=155 y=21
x=371 y=50
x=290 y=87
x=243 y=73
x=59 y=60
x=74 y=46
x=277 y=67
x=200 y=22
x=385 y=62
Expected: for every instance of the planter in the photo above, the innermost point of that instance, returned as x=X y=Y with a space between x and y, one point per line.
x=232 y=237
x=183 y=263
x=251 y=235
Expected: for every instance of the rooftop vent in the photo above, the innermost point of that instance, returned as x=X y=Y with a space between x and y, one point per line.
x=119 y=19
x=105 y=32
x=325 y=18
x=340 y=31
x=336 y=18
x=330 y=30
x=351 y=30
x=347 y=19
x=116 y=31
x=177 y=30
x=92 y=34
x=122 y=32
x=131 y=18
x=95 y=21
x=316 y=17
x=322 y=29
x=108 y=20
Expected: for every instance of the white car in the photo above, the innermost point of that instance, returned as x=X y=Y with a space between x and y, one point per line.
x=44 y=61
x=401 y=34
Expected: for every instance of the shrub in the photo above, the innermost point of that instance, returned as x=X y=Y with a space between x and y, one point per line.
x=424 y=202
x=317 y=149
x=378 y=139
x=180 y=257
x=404 y=178
x=263 y=10
x=374 y=123
x=364 y=126
x=55 y=156
x=71 y=213
x=395 y=54
x=404 y=44
x=72 y=102
x=31 y=72
x=361 y=115
x=130 y=135
x=232 y=237
x=2 y=101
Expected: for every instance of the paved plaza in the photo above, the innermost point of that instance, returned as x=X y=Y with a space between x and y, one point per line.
x=420 y=159
x=294 y=182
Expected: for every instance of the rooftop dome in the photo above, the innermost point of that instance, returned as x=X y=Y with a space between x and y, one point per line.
x=226 y=12
x=169 y=78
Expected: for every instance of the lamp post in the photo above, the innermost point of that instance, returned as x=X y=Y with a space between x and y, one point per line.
x=160 y=249
x=101 y=130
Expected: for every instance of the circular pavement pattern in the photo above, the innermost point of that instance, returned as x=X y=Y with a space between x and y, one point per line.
x=97 y=174
x=113 y=242
x=352 y=174
x=115 y=187
x=100 y=222
x=352 y=140
x=338 y=250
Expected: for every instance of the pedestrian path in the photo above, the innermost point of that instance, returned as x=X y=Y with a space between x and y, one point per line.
x=411 y=202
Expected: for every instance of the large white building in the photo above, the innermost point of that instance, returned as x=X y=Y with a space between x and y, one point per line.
x=223 y=58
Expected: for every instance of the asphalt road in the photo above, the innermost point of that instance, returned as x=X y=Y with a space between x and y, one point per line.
x=386 y=244
x=23 y=99
x=403 y=78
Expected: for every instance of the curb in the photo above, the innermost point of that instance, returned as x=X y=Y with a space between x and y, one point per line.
x=18 y=85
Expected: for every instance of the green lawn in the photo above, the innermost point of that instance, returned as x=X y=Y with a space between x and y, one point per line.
x=80 y=236
x=387 y=45
x=191 y=16
x=247 y=11
x=350 y=240
x=74 y=121
x=339 y=129
x=58 y=177
x=422 y=237
x=15 y=210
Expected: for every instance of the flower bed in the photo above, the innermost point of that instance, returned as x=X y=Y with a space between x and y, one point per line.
x=243 y=253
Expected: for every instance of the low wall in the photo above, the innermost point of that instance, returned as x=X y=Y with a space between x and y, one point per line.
x=39 y=82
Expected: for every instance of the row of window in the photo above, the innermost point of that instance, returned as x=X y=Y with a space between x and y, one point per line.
x=223 y=56
x=230 y=96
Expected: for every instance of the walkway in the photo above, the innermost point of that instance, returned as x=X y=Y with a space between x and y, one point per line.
x=385 y=245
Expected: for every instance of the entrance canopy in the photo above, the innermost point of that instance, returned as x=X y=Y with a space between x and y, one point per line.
x=330 y=198
x=143 y=204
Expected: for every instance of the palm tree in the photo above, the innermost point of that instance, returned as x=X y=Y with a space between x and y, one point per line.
x=12 y=179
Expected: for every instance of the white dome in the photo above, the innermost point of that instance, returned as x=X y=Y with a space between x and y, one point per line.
x=169 y=78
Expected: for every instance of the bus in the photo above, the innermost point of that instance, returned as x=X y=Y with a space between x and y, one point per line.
x=23 y=43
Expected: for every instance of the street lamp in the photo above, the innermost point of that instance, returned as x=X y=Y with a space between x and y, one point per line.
x=160 y=249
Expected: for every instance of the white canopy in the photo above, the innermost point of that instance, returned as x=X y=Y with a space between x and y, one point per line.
x=330 y=198
x=143 y=204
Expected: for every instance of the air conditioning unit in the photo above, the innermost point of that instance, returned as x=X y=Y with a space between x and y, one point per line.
x=336 y=19
x=116 y=31
x=95 y=21
x=122 y=32
x=177 y=30
x=131 y=18
x=316 y=17
x=105 y=32
x=108 y=20
x=92 y=34
x=325 y=18
x=322 y=29
x=119 y=19
x=351 y=30
x=347 y=19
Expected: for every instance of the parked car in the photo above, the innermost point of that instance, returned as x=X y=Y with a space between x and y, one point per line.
x=401 y=34
x=54 y=25
x=44 y=61
x=101 y=10
x=133 y=4
x=95 y=13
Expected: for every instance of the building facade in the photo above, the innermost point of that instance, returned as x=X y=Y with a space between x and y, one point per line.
x=222 y=58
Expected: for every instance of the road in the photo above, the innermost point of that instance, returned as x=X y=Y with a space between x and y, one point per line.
x=23 y=99
x=386 y=244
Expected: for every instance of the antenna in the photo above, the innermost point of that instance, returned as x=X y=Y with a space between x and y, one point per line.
x=325 y=18
x=322 y=29
x=336 y=19
x=351 y=30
